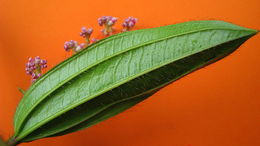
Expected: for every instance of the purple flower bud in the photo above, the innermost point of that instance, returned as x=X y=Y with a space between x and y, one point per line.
x=31 y=60
x=28 y=64
x=43 y=61
x=39 y=75
x=70 y=45
x=37 y=60
x=114 y=19
x=134 y=20
x=89 y=31
x=94 y=40
x=66 y=46
x=34 y=76
x=108 y=21
x=82 y=45
x=124 y=24
x=85 y=33
x=34 y=67
x=100 y=21
x=129 y=23
x=43 y=66
x=83 y=29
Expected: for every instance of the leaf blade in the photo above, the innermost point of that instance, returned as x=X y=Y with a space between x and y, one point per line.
x=98 y=71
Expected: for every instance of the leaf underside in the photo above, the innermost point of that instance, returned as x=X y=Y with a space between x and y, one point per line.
x=119 y=72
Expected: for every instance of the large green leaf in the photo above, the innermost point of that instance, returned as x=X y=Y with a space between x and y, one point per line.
x=118 y=72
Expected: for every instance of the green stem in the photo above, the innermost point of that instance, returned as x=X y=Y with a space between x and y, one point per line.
x=12 y=142
x=87 y=41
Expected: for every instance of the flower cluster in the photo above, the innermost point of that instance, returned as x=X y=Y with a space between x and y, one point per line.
x=73 y=45
x=107 y=22
x=35 y=66
x=85 y=33
x=129 y=23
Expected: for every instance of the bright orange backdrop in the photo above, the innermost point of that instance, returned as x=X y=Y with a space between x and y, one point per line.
x=218 y=105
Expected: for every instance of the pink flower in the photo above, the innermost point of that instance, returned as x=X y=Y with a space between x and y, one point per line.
x=80 y=47
x=129 y=23
x=70 y=45
x=94 y=40
x=34 y=67
x=86 y=32
x=73 y=45
x=107 y=22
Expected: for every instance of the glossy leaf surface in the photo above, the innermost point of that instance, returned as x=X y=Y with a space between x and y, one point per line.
x=118 y=72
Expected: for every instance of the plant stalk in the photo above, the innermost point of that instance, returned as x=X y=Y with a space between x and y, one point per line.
x=12 y=142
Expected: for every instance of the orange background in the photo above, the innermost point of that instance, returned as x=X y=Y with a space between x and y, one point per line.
x=218 y=105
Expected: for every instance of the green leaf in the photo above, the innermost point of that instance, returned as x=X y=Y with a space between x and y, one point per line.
x=118 y=72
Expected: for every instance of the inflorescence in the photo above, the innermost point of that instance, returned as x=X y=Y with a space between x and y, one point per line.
x=86 y=33
x=107 y=22
x=34 y=67
x=129 y=23
x=73 y=45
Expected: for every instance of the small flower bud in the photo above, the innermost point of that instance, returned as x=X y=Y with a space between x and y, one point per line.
x=108 y=22
x=86 y=33
x=80 y=47
x=37 y=60
x=70 y=45
x=94 y=40
x=129 y=23
x=34 y=67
